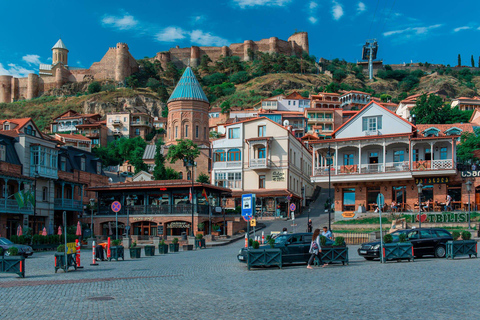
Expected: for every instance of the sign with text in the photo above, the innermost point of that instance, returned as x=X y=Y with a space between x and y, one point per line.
x=278 y=176
x=443 y=217
x=470 y=173
x=178 y=224
x=248 y=206
x=432 y=180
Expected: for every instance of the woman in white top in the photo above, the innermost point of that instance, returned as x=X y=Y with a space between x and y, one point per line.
x=314 y=248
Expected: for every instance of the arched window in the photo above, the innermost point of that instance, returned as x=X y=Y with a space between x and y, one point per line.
x=29 y=130
x=234 y=155
x=180 y=175
x=219 y=156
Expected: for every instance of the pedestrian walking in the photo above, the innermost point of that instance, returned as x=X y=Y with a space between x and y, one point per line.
x=327 y=233
x=309 y=225
x=314 y=248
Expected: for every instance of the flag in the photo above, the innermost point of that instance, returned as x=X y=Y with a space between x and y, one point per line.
x=20 y=197
x=190 y=195
x=204 y=194
x=31 y=197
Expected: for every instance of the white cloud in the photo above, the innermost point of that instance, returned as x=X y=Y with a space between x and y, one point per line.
x=207 y=39
x=252 y=3
x=337 y=10
x=312 y=5
x=361 y=7
x=15 y=70
x=410 y=30
x=121 y=23
x=312 y=20
x=170 y=34
x=198 y=19
x=462 y=28
x=31 y=59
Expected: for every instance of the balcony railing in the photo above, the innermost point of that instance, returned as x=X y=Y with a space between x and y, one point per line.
x=320 y=119
x=433 y=165
x=258 y=163
x=140 y=123
x=43 y=171
x=364 y=168
x=68 y=204
x=11 y=206
x=227 y=164
x=117 y=122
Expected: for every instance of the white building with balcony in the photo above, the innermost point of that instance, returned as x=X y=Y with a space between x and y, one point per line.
x=377 y=151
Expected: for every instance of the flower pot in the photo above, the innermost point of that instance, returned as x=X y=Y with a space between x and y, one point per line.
x=216 y=233
x=149 y=251
x=163 y=248
x=174 y=247
x=135 y=252
x=117 y=252
x=461 y=248
x=60 y=261
x=201 y=232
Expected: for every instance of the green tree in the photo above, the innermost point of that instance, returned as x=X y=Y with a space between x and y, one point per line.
x=430 y=109
x=136 y=159
x=204 y=61
x=385 y=97
x=109 y=154
x=185 y=150
x=469 y=142
x=94 y=87
x=162 y=93
x=239 y=77
x=216 y=78
x=225 y=106
x=203 y=178
x=305 y=94
x=459 y=60
x=153 y=84
x=172 y=72
x=126 y=147
x=160 y=172
x=165 y=112
x=473 y=61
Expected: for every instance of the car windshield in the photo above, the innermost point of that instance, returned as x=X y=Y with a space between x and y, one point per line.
x=281 y=239
x=5 y=241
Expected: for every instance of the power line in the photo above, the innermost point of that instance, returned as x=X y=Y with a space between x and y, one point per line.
x=373 y=19
x=388 y=16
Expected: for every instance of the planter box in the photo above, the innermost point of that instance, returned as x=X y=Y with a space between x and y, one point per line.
x=200 y=243
x=461 y=248
x=149 y=251
x=201 y=232
x=60 y=261
x=264 y=257
x=216 y=233
x=332 y=254
x=163 y=249
x=135 y=253
x=174 y=247
x=117 y=252
x=14 y=264
x=187 y=247
x=398 y=251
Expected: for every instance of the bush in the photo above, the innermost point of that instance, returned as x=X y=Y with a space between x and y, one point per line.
x=213 y=79
x=116 y=243
x=339 y=241
x=323 y=241
x=175 y=240
x=256 y=244
x=61 y=248
x=239 y=77
x=402 y=237
x=12 y=251
x=388 y=238
x=339 y=75
x=250 y=242
x=466 y=235
x=455 y=235
x=133 y=245
x=271 y=242
x=94 y=87
x=162 y=242
x=199 y=236
x=201 y=226
x=108 y=87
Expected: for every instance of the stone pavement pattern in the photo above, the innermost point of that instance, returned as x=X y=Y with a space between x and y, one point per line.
x=212 y=284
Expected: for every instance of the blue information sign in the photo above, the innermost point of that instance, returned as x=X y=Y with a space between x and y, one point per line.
x=248 y=206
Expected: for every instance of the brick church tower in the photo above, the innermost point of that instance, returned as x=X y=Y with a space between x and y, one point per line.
x=188 y=119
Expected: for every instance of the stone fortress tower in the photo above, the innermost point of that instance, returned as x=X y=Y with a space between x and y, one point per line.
x=188 y=119
x=182 y=57
x=116 y=65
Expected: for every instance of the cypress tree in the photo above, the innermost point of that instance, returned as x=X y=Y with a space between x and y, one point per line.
x=473 y=62
x=459 y=60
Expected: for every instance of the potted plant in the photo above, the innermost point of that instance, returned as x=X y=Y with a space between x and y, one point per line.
x=11 y=262
x=174 y=246
x=215 y=230
x=271 y=242
x=466 y=246
x=397 y=250
x=117 y=251
x=62 y=262
x=338 y=252
x=135 y=252
x=162 y=247
x=149 y=250
x=201 y=228
x=199 y=241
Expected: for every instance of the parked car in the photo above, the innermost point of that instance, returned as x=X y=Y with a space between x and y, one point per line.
x=294 y=246
x=425 y=241
x=22 y=249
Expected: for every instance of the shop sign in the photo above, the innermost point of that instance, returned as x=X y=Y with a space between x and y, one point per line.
x=432 y=180
x=278 y=176
x=142 y=219
x=470 y=173
x=444 y=217
x=178 y=224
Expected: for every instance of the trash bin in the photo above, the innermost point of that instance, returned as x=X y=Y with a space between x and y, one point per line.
x=184 y=236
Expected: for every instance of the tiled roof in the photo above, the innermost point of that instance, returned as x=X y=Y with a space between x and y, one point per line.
x=19 y=122
x=60 y=45
x=465 y=127
x=72 y=136
x=150 y=151
x=295 y=96
x=188 y=88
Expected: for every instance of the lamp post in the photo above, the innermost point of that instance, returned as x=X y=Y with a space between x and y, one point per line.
x=210 y=197
x=224 y=202
x=92 y=204
x=35 y=203
x=129 y=203
x=329 y=160
x=420 y=190
x=190 y=163
x=469 y=188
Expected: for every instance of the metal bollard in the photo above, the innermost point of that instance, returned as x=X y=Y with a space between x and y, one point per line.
x=94 y=262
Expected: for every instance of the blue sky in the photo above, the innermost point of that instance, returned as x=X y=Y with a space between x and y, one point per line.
x=433 y=31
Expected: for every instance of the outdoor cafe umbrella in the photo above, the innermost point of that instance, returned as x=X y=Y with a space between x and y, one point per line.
x=44 y=232
x=79 y=229
x=59 y=230
x=19 y=231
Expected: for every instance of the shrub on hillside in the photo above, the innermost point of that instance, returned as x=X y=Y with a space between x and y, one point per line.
x=94 y=87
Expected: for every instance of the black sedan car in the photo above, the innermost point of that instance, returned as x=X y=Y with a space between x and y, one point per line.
x=425 y=241
x=22 y=249
x=294 y=246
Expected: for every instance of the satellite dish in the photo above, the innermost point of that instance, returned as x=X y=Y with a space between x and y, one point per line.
x=286 y=123
x=110 y=180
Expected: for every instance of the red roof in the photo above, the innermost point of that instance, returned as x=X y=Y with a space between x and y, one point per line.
x=354 y=91
x=72 y=136
x=19 y=122
x=465 y=127
x=295 y=96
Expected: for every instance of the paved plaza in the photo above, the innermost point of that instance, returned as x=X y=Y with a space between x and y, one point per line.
x=212 y=284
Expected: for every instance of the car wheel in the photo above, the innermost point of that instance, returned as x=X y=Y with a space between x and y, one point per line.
x=440 y=252
x=368 y=258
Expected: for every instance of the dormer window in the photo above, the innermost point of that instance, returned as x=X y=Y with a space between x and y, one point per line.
x=372 y=123
x=29 y=130
x=6 y=126
x=431 y=132
x=454 y=131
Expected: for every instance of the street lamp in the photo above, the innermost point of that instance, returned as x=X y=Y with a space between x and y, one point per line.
x=420 y=190
x=35 y=203
x=469 y=188
x=224 y=202
x=210 y=197
x=129 y=203
x=92 y=204
x=190 y=163
x=329 y=160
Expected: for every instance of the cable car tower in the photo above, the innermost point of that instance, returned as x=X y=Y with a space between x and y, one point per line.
x=369 y=53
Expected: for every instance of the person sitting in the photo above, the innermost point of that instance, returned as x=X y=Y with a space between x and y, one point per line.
x=393 y=206
x=448 y=203
x=426 y=207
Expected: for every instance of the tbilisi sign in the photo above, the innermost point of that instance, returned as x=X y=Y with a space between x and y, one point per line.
x=444 y=217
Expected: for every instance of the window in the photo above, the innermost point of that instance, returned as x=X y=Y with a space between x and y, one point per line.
x=196 y=131
x=348 y=159
x=29 y=130
x=443 y=153
x=261 y=182
x=137 y=131
x=176 y=131
x=45 y=194
x=124 y=119
x=261 y=131
x=180 y=175
x=234 y=133
x=261 y=153
x=189 y=175
x=428 y=154
x=186 y=131
x=349 y=199
x=415 y=154
x=6 y=127
x=43 y=160
x=219 y=156
x=455 y=191
x=234 y=155
x=228 y=180
x=372 y=123
x=63 y=163
x=399 y=156
x=2 y=153
x=82 y=164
